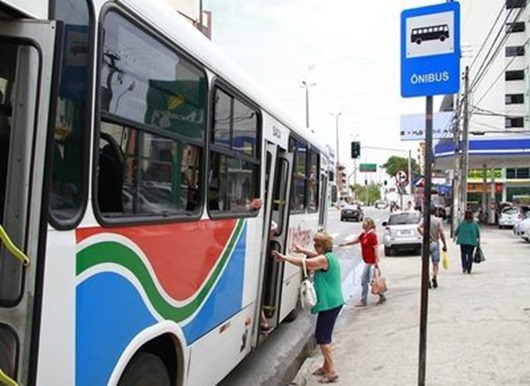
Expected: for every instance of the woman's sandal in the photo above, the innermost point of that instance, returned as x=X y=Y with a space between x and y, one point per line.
x=327 y=378
x=319 y=372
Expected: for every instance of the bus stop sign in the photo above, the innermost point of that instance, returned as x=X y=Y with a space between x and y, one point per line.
x=430 y=50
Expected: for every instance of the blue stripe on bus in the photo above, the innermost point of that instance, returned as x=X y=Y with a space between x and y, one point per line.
x=227 y=298
x=110 y=313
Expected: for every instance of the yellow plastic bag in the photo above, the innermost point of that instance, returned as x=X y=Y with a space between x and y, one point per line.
x=445 y=260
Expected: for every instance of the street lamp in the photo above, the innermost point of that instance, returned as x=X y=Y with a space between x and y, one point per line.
x=306 y=86
x=337 y=160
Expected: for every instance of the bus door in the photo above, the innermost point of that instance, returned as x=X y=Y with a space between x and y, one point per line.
x=278 y=188
x=323 y=206
x=26 y=68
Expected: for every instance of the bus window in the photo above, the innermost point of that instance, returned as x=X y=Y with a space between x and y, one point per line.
x=234 y=160
x=71 y=124
x=298 y=195
x=141 y=174
x=147 y=82
x=5 y=128
x=313 y=182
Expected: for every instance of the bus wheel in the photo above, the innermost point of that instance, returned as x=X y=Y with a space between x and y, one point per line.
x=145 y=369
x=418 y=41
x=442 y=38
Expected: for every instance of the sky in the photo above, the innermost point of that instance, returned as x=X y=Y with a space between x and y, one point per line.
x=348 y=49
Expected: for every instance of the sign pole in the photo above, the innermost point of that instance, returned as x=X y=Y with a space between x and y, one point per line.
x=426 y=241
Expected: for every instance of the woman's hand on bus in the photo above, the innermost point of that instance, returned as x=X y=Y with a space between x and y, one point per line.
x=298 y=248
x=278 y=256
x=255 y=204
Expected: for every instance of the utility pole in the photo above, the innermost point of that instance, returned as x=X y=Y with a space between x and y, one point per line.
x=465 y=144
x=455 y=210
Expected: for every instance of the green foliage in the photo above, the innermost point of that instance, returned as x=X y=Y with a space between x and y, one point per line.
x=366 y=193
x=394 y=164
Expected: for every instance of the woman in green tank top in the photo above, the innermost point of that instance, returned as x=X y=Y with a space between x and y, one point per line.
x=327 y=280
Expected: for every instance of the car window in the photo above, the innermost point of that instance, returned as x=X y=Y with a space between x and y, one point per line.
x=510 y=211
x=404 y=219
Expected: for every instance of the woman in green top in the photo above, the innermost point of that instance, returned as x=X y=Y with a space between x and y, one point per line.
x=468 y=236
x=323 y=262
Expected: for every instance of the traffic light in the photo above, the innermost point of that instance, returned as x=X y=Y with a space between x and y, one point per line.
x=355 y=150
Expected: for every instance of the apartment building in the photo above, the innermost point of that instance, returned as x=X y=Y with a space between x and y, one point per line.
x=495 y=48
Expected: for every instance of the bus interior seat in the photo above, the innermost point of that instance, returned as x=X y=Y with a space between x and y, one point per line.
x=111 y=175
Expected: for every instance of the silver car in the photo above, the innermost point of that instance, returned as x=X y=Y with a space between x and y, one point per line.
x=401 y=232
x=522 y=229
x=510 y=216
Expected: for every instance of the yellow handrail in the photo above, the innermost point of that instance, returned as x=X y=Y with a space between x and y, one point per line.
x=14 y=251
x=4 y=379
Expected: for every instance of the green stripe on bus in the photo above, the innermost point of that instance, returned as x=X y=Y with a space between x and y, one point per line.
x=113 y=252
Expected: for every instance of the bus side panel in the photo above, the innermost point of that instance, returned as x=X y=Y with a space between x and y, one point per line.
x=35 y=9
x=129 y=279
x=252 y=260
x=217 y=353
x=57 y=336
x=302 y=228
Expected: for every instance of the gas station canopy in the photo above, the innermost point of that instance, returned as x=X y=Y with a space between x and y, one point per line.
x=501 y=152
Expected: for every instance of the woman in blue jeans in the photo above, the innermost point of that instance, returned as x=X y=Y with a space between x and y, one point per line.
x=468 y=237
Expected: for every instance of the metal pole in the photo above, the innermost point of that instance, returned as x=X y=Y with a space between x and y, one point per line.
x=455 y=212
x=307 y=105
x=201 y=21
x=465 y=144
x=410 y=172
x=425 y=247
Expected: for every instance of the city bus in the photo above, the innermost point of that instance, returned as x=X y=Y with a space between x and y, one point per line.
x=433 y=32
x=132 y=156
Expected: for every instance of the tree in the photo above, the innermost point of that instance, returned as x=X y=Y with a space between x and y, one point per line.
x=394 y=164
x=367 y=193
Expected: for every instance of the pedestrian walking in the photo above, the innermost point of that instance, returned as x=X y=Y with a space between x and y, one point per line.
x=436 y=233
x=468 y=237
x=370 y=255
x=327 y=280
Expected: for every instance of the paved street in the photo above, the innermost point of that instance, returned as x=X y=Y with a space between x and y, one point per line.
x=478 y=325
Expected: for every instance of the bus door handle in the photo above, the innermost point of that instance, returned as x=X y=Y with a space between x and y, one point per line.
x=15 y=251
x=6 y=380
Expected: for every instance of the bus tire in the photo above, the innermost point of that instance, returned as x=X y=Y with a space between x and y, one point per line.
x=145 y=369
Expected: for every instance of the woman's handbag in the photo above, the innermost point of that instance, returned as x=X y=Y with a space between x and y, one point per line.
x=445 y=260
x=378 y=282
x=478 y=257
x=308 y=295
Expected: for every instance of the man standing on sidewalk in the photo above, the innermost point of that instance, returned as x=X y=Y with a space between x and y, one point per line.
x=435 y=234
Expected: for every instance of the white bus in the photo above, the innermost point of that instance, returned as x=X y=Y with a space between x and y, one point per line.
x=130 y=149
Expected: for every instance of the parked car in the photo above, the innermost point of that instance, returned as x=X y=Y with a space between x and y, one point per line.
x=510 y=216
x=381 y=205
x=522 y=229
x=351 y=212
x=401 y=232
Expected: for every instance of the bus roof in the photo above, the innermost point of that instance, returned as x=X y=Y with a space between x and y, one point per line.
x=182 y=32
x=31 y=8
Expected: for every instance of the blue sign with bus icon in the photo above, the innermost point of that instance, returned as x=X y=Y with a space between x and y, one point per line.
x=430 y=50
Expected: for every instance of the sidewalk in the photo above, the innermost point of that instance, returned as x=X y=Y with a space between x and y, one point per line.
x=478 y=325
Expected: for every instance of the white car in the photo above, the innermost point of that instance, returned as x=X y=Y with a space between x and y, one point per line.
x=510 y=216
x=401 y=232
x=522 y=229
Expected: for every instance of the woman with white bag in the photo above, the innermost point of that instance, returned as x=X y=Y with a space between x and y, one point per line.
x=327 y=282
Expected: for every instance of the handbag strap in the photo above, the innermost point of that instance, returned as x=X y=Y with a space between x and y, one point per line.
x=304 y=268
